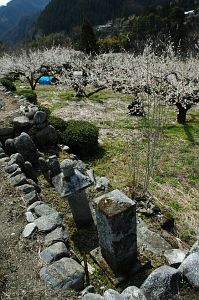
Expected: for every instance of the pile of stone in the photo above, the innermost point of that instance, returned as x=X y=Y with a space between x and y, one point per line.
x=35 y=123
x=32 y=121
x=59 y=270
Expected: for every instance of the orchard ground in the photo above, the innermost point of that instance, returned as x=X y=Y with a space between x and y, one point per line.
x=176 y=175
x=174 y=184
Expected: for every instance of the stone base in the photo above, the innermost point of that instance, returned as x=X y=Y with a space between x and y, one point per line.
x=96 y=255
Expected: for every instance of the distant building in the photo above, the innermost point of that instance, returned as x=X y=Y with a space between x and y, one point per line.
x=104 y=27
x=189 y=13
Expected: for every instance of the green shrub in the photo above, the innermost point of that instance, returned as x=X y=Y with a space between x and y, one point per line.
x=45 y=109
x=59 y=124
x=8 y=84
x=81 y=137
x=30 y=95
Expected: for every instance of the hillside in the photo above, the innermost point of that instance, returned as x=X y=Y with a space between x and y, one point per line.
x=13 y=26
x=72 y=13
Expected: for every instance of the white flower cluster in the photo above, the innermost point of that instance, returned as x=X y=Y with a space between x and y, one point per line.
x=166 y=75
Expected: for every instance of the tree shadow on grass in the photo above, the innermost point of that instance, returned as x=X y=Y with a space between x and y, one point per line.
x=188 y=129
x=85 y=239
x=100 y=152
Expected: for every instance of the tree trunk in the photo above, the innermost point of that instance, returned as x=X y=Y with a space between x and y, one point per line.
x=31 y=83
x=182 y=112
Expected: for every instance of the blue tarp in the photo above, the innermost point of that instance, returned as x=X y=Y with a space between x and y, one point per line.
x=46 y=80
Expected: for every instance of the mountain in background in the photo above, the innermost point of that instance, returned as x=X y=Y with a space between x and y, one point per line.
x=65 y=15
x=17 y=17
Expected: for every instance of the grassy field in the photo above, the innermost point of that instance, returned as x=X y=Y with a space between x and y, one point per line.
x=174 y=183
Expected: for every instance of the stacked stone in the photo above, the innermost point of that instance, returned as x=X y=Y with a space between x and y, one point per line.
x=70 y=183
x=36 y=122
x=59 y=270
x=116 y=225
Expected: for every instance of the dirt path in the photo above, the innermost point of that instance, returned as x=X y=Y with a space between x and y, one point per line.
x=10 y=109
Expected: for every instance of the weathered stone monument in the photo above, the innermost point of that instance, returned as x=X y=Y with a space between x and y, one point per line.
x=116 y=225
x=71 y=185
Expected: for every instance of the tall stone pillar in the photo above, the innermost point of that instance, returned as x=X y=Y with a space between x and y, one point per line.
x=116 y=226
x=71 y=185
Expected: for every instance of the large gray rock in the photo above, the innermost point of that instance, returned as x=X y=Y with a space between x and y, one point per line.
x=91 y=296
x=194 y=248
x=18 y=159
x=31 y=197
x=43 y=209
x=54 y=252
x=46 y=136
x=30 y=171
x=190 y=269
x=33 y=205
x=49 y=222
x=57 y=235
x=65 y=273
x=29 y=217
x=133 y=293
x=39 y=117
x=34 y=184
x=12 y=168
x=151 y=240
x=6 y=133
x=21 y=123
x=102 y=183
x=174 y=257
x=18 y=180
x=26 y=188
x=16 y=172
x=26 y=147
x=9 y=146
x=112 y=295
x=29 y=230
x=162 y=283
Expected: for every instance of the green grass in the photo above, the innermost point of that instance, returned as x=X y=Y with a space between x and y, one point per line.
x=176 y=173
x=175 y=205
